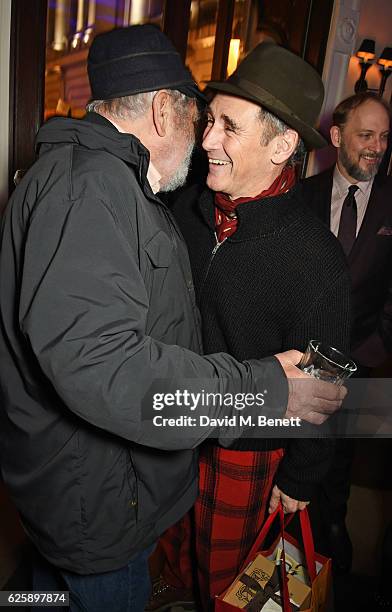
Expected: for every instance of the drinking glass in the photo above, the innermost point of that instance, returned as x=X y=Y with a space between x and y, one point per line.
x=326 y=363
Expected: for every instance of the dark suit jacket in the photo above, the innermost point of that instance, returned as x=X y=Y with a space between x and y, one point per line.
x=370 y=263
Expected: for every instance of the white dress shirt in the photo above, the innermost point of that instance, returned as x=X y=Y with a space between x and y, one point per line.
x=339 y=192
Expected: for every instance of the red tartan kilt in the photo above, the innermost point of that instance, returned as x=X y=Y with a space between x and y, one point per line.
x=234 y=490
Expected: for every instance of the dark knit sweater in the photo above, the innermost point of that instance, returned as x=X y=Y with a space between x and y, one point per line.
x=278 y=282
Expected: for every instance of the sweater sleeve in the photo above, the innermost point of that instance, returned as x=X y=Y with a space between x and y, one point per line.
x=328 y=320
x=307 y=460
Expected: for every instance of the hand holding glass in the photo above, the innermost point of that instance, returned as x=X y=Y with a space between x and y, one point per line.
x=326 y=363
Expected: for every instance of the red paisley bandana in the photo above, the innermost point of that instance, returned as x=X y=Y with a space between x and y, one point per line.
x=225 y=218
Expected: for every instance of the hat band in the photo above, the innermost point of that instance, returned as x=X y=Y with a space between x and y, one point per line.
x=124 y=57
x=157 y=87
x=265 y=97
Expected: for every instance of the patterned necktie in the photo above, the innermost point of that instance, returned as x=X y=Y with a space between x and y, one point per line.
x=348 y=221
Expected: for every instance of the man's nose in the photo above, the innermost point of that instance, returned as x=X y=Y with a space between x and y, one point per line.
x=378 y=145
x=211 y=138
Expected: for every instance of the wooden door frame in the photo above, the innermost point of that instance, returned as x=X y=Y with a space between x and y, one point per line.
x=175 y=15
x=27 y=81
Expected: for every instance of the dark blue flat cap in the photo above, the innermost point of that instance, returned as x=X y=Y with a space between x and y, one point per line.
x=132 y=60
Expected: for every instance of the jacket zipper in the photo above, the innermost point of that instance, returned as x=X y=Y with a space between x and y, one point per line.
x=213 y=253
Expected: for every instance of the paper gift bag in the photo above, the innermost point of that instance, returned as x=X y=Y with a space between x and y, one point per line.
x=296 y=565
x=259 y=588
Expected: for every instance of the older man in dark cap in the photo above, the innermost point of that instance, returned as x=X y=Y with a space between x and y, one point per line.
x=97 y=311
x=268 y=276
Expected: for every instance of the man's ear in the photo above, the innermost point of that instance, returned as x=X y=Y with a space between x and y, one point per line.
x=161 y=109
x=285 y=145
x=335 y=136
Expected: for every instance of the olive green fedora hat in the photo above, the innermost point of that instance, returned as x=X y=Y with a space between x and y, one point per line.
x=284 y=84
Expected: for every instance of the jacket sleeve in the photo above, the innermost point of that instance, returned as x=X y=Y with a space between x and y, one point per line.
x=84 y=308
x=307 y=460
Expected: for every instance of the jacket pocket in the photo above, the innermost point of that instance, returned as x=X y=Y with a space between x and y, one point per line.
x=159 y=250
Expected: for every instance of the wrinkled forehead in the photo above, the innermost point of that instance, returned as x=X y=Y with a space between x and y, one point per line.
x=233 y=107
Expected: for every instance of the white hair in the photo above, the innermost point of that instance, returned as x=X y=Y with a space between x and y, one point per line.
x=272 y=127
x=136 y=105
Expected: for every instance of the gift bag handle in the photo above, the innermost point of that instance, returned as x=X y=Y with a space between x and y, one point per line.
x=263 y=534
x=307 y=538
x=282 y=562
x=285 y=589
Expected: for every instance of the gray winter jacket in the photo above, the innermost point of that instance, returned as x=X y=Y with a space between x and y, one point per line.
x=97 y=313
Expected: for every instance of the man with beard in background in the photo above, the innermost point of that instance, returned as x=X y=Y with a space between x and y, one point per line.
x=355 y=202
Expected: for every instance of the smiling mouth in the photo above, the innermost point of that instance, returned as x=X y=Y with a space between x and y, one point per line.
x=218 y=162
x=370 y=158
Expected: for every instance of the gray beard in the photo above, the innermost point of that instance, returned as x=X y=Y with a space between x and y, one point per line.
x=179 y=177
x=354 y=170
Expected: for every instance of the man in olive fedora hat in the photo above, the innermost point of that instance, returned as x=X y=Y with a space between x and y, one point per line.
x=282 y=83
x=268 y=276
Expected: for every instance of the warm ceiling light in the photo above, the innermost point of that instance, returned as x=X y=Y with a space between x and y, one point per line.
x=385 y=63
x=385 y=58
x=367 y=51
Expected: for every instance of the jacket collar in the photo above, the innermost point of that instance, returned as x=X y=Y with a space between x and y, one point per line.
x=326 y=178
x=342 y=184
x=94 y=132
x=153 y=175
x=99 y=120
